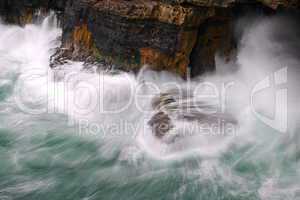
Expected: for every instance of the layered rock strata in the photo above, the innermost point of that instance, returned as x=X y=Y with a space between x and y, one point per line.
x=172 y=35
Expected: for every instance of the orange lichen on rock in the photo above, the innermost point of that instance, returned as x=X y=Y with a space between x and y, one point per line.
x=160 y=61
x=82 y=36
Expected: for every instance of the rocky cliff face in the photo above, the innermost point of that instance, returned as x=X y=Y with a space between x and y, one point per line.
x=134 y=33
x=168 y=35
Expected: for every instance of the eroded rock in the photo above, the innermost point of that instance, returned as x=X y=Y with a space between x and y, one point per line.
x=176 y=105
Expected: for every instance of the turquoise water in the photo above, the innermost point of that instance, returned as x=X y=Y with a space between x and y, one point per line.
x=44 y=156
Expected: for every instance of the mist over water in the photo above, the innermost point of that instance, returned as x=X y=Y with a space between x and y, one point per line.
x=67 y=133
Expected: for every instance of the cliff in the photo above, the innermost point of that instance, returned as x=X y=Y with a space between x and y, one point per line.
x=25 y=11
x=165 y=34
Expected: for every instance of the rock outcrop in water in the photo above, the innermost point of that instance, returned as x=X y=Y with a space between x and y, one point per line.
x=165 y=34
x=180 y=105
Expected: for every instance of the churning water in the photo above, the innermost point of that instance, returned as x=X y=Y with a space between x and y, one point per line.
x=68 y=133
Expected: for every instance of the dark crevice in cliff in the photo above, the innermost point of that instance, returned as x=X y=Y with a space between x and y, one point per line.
x=213 y=36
